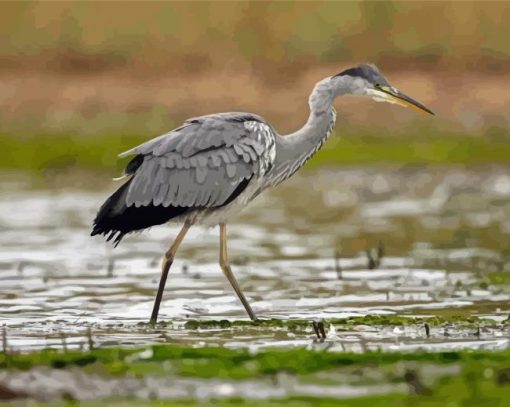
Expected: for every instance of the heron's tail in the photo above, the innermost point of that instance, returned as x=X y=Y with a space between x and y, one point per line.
x=115 y=219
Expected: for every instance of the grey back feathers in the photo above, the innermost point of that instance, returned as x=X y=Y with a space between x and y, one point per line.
x=201 y=163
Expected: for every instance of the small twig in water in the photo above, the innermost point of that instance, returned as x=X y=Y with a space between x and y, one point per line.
x=427 y=330
x=318 y=327
x=154 y=262
x=89 y=338
x=21 y=265
x=380 y=250
x=374 y=256
x=363 y=345
x=338 y=268
x=110 y=267
x=4 y=340
x=372 y=264
x=374 y=259
x=477 y=332
x=64 y=344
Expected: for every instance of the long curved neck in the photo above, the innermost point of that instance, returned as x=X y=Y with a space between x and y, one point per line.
x=295 y=149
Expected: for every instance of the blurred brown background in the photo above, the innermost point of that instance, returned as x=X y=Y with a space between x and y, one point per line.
x=90 y=67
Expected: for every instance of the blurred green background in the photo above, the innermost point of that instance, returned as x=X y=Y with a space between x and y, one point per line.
x=81 y=81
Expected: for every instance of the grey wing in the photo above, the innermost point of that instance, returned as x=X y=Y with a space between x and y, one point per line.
x=202 y=163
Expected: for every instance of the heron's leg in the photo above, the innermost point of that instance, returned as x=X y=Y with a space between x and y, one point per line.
x=225 y=266
x=167 y=262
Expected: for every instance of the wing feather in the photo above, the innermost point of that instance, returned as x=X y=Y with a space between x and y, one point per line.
x=203 y=162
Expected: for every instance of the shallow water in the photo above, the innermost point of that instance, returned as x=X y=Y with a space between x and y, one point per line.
x=443 y=231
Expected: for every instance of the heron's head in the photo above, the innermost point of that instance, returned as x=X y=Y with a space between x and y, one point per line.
x=368 y=81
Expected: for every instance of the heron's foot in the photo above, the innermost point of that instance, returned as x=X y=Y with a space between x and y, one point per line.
x=252 y=316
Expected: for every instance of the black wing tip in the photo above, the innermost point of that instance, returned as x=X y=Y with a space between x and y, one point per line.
x=96 y=230
x=114 y=226
x=109 y=234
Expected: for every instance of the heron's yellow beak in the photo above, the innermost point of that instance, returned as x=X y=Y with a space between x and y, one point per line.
x=393 y=95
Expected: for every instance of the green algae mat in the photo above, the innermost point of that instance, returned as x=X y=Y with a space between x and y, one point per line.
x=178 y=375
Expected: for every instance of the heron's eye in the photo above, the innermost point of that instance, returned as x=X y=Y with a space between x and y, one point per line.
x=377 y=85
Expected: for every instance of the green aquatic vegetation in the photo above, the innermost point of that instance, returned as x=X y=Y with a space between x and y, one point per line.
x=301 y=324
x=210 y=362
x=498 y=277
x=481 y=378
x=59 y=360
x=291 y=324
x=389 y=400
x=451 y=393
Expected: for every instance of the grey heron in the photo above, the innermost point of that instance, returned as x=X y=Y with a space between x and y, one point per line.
x=205 y=171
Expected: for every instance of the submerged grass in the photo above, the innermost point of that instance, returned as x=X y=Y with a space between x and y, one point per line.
x=217 y=362
x=482 y=378
x=453 y=392
x=394 y=400
x=498 y=277
x=38 y=153
x=300 y=324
